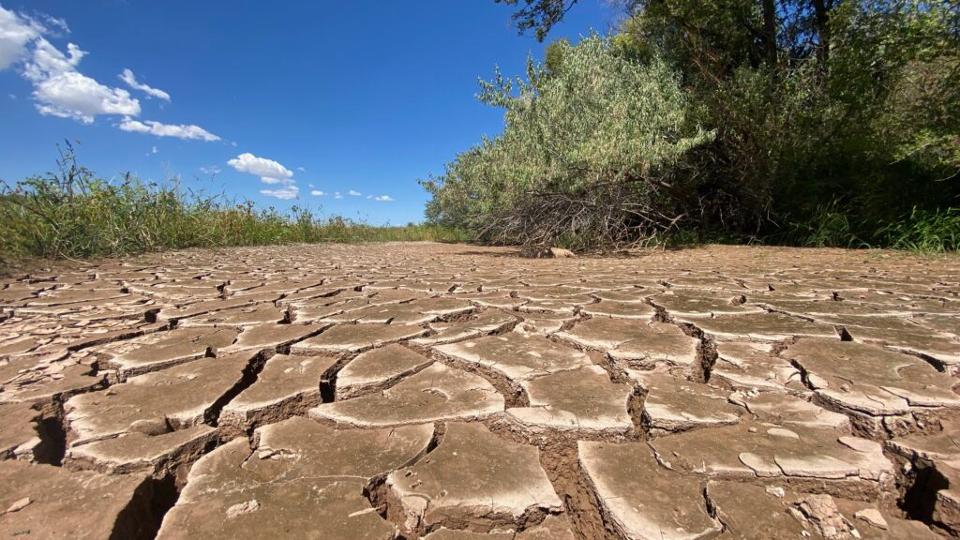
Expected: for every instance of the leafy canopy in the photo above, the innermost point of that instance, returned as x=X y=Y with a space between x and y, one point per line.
x=590 y=120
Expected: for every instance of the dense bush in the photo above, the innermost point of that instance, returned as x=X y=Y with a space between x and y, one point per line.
x=811 y=122
x=589 y=154
x=72 y=214
x=862 y=135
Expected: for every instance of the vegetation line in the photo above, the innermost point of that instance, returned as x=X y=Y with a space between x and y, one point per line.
x=71 y=214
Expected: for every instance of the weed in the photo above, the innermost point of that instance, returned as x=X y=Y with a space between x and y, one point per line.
x=927 y=231
x=72 y=214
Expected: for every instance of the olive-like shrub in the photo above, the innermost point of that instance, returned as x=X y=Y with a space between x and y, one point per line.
x=592 y=154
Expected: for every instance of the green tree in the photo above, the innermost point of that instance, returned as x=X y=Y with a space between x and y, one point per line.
x=588 y=155
x=538 y=15
x=845 y=111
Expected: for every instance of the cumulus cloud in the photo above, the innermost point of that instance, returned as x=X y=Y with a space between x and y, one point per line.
x=383 y=198
x=47 y=61
x=287 y=188
x=211 y=170
x=354 y=193
x=128 y=77
x=258 y=166
x=74 y=95
x=337 y=195
x=317 y=193
x=286 y=193
x=60 y=89
x=15 y=33
x=180 y=131
x=270 y=172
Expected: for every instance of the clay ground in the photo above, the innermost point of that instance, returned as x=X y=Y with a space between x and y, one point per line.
x=458 y=392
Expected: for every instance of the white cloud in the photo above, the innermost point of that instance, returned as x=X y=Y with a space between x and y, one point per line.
x=180 y=131
x=302 y=169
x=15 y=33
x=270 y=172
x=60 y=89
x=269 y=180
x=258 y=166
x=288 y=188
x=317 y=193
x=337 y=195
x=60 y=24
x=211 y=170
x=383 y=198
x=74 y=95
x=48 y=61
x=354 y=193
x=285 y=193
x=128 y=77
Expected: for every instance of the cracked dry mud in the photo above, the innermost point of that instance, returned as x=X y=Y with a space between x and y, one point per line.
x=454 y=392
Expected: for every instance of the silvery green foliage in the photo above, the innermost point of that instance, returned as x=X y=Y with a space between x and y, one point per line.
x=591 y=121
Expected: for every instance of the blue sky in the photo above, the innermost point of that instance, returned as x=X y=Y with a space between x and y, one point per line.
x=270 y=101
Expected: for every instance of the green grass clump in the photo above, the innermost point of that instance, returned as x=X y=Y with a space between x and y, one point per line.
x=933 y=232
x=71 y=214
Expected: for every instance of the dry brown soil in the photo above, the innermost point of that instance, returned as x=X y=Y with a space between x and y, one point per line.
x=457 y=392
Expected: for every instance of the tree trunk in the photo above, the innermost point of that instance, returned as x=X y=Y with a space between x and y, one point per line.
x=770 y=31
x=821 y=18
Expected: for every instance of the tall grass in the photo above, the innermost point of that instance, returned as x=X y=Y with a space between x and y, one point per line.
x=828 y=225
x=937 y=231
x=72 y=214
